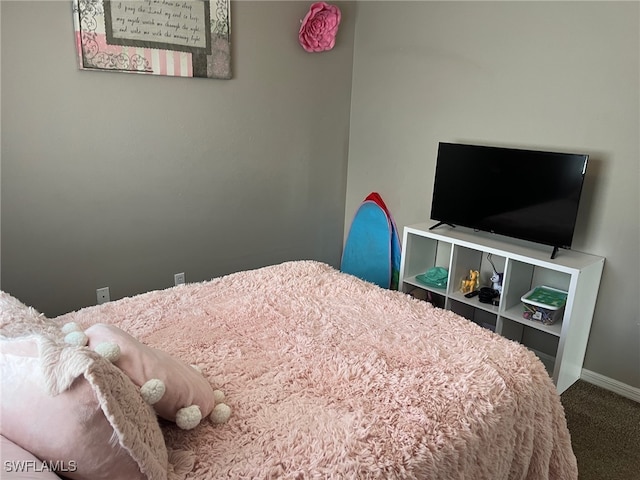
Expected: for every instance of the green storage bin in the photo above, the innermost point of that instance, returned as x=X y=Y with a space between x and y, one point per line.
x=544 y=304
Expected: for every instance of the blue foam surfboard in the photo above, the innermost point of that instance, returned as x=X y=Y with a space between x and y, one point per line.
x=367 y=251
x=396 y=245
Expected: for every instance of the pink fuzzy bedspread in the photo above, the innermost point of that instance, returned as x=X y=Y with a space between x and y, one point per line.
x=332 y=377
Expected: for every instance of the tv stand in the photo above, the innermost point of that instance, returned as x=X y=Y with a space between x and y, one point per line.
x=554 y=253
x=440 y=224
x=561 y=346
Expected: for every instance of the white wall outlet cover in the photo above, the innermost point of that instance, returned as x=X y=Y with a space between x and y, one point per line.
x=102 y=295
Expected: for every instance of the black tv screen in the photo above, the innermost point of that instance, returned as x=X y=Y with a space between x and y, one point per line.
x=525 y=194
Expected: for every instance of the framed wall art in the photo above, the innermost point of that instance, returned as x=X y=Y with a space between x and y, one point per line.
x=184 y=38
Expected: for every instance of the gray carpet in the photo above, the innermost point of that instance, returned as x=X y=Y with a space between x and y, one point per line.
x=605 y=432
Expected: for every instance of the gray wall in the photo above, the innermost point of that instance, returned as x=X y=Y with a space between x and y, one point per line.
x=120 y=180
x=548 y=75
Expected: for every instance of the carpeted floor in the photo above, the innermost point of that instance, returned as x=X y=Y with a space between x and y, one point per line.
x=605 y=432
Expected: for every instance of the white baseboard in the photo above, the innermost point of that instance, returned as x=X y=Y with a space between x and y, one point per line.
x=610 y=384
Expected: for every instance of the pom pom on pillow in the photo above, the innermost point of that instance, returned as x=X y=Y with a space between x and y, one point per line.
x=78 y=339
x=218 y=396
x=108 y=350
x=188 y=417
x=70 y=327
x=221 y=413
x=153 y=390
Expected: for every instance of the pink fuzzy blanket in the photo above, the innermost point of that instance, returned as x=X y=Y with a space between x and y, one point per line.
x=332 y=377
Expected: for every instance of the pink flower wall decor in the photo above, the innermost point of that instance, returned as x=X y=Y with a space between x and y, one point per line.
x=319 y=27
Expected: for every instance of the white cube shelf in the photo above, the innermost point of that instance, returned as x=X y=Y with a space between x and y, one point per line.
x=562 y=345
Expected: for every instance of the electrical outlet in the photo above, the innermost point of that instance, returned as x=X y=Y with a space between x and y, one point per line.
x=178 y=278
x=102 y=295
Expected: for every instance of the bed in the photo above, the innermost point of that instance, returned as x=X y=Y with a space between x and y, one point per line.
x=326 y=376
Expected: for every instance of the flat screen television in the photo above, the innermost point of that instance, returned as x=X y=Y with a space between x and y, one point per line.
x=525 y=194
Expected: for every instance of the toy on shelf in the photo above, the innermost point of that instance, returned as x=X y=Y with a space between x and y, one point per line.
x=496 y=281
x=496 y=278
x=471 y=283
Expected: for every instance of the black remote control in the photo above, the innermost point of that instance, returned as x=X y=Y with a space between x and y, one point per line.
x=472 y=294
